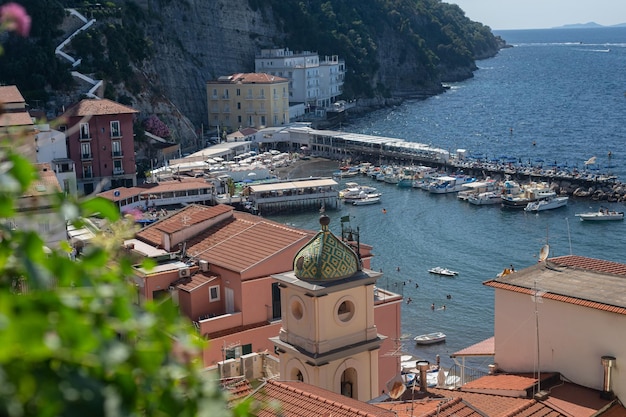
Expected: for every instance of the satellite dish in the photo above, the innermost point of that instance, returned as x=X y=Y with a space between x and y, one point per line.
x=543 y=254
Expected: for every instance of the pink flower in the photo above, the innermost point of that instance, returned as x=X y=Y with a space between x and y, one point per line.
x=13 y=18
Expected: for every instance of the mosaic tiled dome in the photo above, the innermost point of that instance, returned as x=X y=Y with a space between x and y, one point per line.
x=325 y=257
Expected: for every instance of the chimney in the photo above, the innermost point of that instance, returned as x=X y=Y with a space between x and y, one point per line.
x=608 y=362
x=423 y=367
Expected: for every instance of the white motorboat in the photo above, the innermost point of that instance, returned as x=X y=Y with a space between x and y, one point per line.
x=449 y=184
x=486 y=198
x=354 y=190
x=601 y=215
x=366 y=201
x=442 y=271
x=547 y=204
x=430 y=338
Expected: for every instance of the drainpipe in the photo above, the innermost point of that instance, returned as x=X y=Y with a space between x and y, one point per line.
x=608 y=362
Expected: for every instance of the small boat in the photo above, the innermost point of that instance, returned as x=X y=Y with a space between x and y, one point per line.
x=430 y=338
x=366 y=201
x=602 y=214
x=443 y=271
x=547 y=204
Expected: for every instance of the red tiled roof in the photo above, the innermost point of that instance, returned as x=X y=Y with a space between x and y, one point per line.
x=16 y=119
x=183 y=184
x=196 y=281
x=95 y=107
x=46 y=183
x=304 y=400
x=514 y=382
x=485 y=348
x=556 y=297
x=10 y=94
x=189 y=215
x=590 y=264
x=577 y=280
x=242 y=244
x=442 y=407
x=250 y=78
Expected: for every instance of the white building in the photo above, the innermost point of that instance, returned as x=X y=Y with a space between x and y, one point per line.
x=52 y=149
x=568 y=315
x=313 y=81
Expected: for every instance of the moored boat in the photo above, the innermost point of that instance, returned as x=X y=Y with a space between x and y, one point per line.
x=547 y=204
x=486 y=198
x=602 y=214
x=430 y=338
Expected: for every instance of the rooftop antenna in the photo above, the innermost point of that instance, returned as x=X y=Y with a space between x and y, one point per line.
x=537 y=299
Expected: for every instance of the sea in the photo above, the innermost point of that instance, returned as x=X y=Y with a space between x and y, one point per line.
x=557 y=97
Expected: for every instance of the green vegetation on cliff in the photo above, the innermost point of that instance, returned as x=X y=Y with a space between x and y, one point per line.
x=435 y=38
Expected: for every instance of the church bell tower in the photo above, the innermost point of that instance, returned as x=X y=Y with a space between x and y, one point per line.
x=328 y=336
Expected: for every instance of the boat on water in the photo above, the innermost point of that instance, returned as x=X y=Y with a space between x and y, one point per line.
x=602 y=214
x=486 y=198
x=430 y=338
x=547 y=204
x=366 y=201
x=443 y=271
x=519 y=197
x=475 y=188
x=354 y=190
x=449 y=184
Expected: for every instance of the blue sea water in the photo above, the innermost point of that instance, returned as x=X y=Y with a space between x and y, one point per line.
x=557 y=96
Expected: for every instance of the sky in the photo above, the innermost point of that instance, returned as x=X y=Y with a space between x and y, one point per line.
x=540 y=14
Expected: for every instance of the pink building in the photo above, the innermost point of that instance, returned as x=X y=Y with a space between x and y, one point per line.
x=218 y=265
x=100 y=141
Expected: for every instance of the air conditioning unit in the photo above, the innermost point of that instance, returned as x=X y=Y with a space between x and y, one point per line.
x=204 y=265
x=183 y=272
x=228 y=368
x=251 y=366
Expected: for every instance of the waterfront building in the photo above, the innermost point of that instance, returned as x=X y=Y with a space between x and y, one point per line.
x=247 y=100
x=293 y=195
x=219 y=265
x=314 y=81
x=100 y=140
x=566 y=315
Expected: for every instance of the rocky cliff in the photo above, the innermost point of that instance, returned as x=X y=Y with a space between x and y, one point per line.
x=194 y=41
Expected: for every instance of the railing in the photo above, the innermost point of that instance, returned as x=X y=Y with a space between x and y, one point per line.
x=118 y=171
x=465 y=374
x=85 y=156
x=85 y=136
x=117 y=154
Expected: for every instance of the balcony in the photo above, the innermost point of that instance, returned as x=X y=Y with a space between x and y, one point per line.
x=117 y=154
x=86 y=156
x=84 y=136
x=88 y=174
x=118 y=171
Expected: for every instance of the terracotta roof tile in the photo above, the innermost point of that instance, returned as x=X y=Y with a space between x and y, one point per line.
x=303 y=400
x=196 y=281
x=10 y=94
x=46 y=183
x=124 y=193
x=441 y=407
x=16 y=119
x=94 y=107
x=242 y=244
x=250 y=78
x=587 y=282
x=189 y=215
x=486 y=347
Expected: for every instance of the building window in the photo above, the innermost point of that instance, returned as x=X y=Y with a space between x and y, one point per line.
x=117 y=167
x=262 y=120
x=84 y=131
x=238 y=92
x=239 y=119
x=236 y=351
x=116 y=148
x=85 y=150
x=238 y=106
x=116 y=132
x=345 y=311
x=214 y=293
x=87 y=171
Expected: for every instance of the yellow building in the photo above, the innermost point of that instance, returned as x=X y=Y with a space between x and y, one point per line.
x=248 y=100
